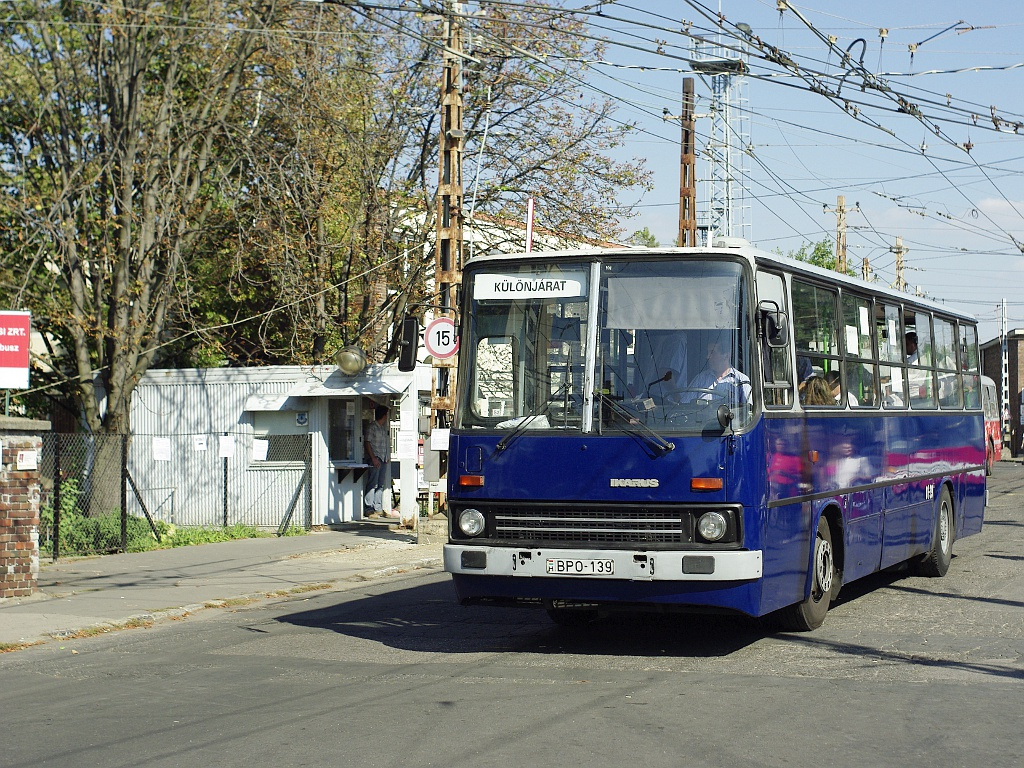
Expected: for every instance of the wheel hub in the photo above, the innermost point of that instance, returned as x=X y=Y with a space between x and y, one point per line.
x=823 y=566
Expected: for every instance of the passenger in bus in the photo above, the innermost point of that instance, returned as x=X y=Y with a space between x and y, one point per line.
x=910 y=344
x=816 y=391
x=892 y=389
x=804 y=371
x=835 y=384
x=719 y=377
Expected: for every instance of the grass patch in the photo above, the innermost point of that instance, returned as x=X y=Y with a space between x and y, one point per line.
x=11 y=647
x=87 y=632
x=84 y=535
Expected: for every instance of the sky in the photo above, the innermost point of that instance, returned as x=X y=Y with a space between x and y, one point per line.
x=928 y=152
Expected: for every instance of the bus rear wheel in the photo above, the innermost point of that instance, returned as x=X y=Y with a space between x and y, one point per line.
x=936 y=562
x=810 y=613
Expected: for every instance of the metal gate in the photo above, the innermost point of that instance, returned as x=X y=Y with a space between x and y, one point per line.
x=102 y=493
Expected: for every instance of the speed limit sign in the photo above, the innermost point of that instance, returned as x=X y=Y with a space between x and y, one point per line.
x=440 y=339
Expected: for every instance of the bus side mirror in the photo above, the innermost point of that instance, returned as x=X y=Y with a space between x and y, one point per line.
x=409 y=344
x=775 y=324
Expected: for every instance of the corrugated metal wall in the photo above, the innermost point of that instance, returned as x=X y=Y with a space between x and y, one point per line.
x=180 y=472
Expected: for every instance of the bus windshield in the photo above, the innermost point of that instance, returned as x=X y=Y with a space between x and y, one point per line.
x=672 y=345
x=675 y=345
x=526 y=339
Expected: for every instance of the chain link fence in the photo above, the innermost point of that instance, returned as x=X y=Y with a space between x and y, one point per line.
x=117 y=493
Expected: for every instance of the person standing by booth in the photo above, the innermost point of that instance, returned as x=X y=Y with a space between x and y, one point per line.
x=377 y=444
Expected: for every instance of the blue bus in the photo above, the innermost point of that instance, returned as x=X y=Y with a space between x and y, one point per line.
x=703 y=429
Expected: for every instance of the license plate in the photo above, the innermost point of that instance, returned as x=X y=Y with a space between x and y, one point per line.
x=562 y=566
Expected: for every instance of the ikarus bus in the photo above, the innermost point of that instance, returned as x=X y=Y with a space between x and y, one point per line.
x=703 y=429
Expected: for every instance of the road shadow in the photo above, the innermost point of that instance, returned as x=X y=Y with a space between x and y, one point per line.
x=426 y=618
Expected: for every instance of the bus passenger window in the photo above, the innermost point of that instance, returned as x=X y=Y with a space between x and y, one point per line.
x=917 y=343
x=861 y=381
x=970 y=365
x=816 y=324
x=950 y=388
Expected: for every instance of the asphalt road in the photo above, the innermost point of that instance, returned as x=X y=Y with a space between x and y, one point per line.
x=906 y=671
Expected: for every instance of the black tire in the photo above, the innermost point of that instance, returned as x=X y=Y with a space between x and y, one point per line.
x=990 y=457
x=810 y=613
x=936 y=562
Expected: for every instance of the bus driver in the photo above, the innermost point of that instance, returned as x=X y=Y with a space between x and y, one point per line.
x=719 y=376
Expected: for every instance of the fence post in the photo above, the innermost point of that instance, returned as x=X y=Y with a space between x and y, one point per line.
x=124 y=493
x=57 y=482
x=309 y=481
x=225 y=491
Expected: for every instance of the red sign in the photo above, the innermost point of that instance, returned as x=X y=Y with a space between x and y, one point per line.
x=15 y=332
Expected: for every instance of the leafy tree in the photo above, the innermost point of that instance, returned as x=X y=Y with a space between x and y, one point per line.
x=115 y=135
x=252 y=181
x=345 y=160
x=820 y=254
x=644 y=237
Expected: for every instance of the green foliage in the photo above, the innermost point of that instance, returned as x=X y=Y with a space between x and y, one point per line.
x=644 y=238
x=820 y=254
x=254 y=184
x=83 y=535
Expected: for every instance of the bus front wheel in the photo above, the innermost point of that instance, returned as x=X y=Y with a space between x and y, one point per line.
x=810 y=612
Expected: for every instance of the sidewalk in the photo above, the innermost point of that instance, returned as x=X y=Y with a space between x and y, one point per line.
x=86 y=595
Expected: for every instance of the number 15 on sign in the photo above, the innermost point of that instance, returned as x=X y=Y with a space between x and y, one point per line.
x=440 y=338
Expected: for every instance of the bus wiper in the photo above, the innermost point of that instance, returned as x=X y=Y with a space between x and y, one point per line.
x=525 y=421
x=651 y=436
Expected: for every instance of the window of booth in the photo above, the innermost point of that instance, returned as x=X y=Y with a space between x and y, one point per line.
x=341 y=429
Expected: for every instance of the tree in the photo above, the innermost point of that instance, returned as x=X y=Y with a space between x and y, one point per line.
x=820 y=254
x=644 y=237
x=115 y=135
x=345 y=159
x=248 y=182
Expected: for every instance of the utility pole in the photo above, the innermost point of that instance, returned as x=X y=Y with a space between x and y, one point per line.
x=900 y=251
x=1004 y=373
x=865 y=269
x=448 y=256
x=842 y=265
x=687 y=171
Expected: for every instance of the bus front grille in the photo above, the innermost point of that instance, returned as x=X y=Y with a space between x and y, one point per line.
x=594 y=525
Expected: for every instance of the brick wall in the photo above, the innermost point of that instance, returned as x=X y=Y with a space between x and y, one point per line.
x=19 y=517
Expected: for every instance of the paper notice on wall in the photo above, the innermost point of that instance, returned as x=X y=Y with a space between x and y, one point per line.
x=406 y=447
x=198 y=442
x=259 y=449
x=227 y=446
x=439 y=439
x=161 y=449
x=28 y=460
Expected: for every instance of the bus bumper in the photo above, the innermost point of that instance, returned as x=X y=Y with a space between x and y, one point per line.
x=600 y=564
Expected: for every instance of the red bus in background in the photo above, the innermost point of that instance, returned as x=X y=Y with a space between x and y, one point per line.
x=993 y=424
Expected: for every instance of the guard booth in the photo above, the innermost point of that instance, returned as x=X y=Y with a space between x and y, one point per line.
x=277 y=424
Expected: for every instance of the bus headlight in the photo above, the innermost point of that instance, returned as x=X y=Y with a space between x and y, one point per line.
x=712 y=526
x=471 y=522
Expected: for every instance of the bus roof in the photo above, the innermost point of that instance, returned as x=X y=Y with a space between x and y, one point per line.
x=729 y=247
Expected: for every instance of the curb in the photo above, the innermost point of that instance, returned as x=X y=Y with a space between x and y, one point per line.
x=150 y=618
